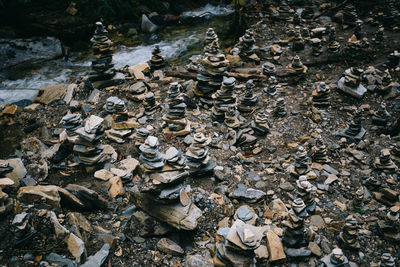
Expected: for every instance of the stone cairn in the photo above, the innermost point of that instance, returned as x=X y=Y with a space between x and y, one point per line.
x=298 y=41
x=87 y=142
x=301 y=165
x=272 y=86
x=224 y=99
x=137 y=91
x=212 y=70
x=350 y=16
x=285 y=12
x=236 y=245
x=348 y=237
x=175 y=120
x=260 y=123
x=21 y=228
x=387 y=83
x=333 y=45
x=381 y=117
x=247 y=48
x=249 y=100
x=231 y=119
x=358 y=199
x=6 y=203
x=211 y=37
x=308 y=12
x=390 y=227
x=71 y=123
x=269 y=69
x=280 y=107
x=150 y=157
x=157 y=61
x=350 y=83
x=384 y=162
x=320 y=96
x=198 y=161
x=295 y=236
x=299 y=208
x=150 y=104
x=121 y=124
x=102 y=66
x=387 y=260
x=297 y=66
x=297 y=20
x=317 y=48
x=319 y=153
x=163 y=193
x=379 y=36
x=354 y=131
x=306 y=192
x=337 y=259
x=372 y=78
x=140 y=136
x=395 y=152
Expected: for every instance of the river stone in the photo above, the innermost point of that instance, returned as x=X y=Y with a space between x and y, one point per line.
x=76 y=247
x=54 y=258
x=249 y=195
x=297 y=252
x=147 y=25
x=244 y=213
x=48 y=194
x=98 y=259
x=168 y=246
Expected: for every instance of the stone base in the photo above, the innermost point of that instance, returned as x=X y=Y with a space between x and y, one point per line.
x=359 y=136
x=124 y=125
x=207 y=171
x=183 y=132
x=354 y=92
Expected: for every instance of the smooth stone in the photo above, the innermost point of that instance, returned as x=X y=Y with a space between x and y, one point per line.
x=297 y=252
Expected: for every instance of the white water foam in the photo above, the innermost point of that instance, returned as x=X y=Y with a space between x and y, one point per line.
x=212 y=10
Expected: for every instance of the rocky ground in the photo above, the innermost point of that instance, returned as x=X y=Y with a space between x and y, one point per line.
x=33 y=135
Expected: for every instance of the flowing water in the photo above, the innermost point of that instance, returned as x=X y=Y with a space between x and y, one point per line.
x=177 y=43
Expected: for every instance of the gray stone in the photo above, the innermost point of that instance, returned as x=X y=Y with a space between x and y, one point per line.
x=247 y=194
x=98 y=259
x=54 y=258
x=169 y=247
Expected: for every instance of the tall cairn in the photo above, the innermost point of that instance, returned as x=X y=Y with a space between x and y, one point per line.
x=212 y=71
x=102 y=66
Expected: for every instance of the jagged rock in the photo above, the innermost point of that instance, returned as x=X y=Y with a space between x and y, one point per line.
x=169 y=247
x=275 y=247
x=76 y=247
x=147 y=25
x=48 y=94
x=48 y=194
x=99 y=258
x=249 y=195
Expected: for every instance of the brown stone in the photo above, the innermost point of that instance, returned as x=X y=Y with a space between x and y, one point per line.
x=116 y=188
x=275 y=247
x=51 y=93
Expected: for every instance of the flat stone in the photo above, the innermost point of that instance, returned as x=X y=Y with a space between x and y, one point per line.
x=51 y=93
x=99 y=258
x=247 y=194
x=18 y=172
x=76 y=247
x=11 y=110
x=168 y=246
x=261 y=252
x=329 y=169
x=315 y=249
x=48 y=194
x=32 y=107
x=103 y=175
x=6 y=182
x=318 y=221
x=69 y=93
x=275 y=247
x=331 y=178
x=355 y=92
x=297 y=252
x=201 y=259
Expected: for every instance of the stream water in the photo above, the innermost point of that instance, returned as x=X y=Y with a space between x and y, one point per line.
x=177 y=43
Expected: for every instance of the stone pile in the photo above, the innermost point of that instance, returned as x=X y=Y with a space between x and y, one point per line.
x=395 y=152
x=231 y=119
x=358 y=199
x=358 y=30
x=387 y=260
x=150 y=157
x=381 y=117
x=321 y=95
x=390 y=227
x=102 y=66
x=319 y=152
x=298 y=41
x=295 y=237
x=354 y=131
x=348 y=237
x=297 y=66
x=235 y=246
x=71 y=123
x=246 y=214
x=247 y=46
x=280 y=107
x=269 y=69
x=337 y=259
x=6 y=203
x=350 y=16
x=224 y=99
x=212 y=70
x=299 y=208
x=175 y=118
x=249 y=100
x=198 y=161
x=384 y=162
x=140 y=136
x=388 y=87
x=308 y=12
x=333 y=45
x=372 y=79
x=137 y=91
x=115 y=105
x=316 y=45
x=379 y=36
x=301 y=165
x=211 y=36
x=260 y=123
x=285 y=11
x=350 y=83
x=157 y=61
x=150 y=104
x=306 y=192
x=87 y=141
x=174 y=158
x=272 y=86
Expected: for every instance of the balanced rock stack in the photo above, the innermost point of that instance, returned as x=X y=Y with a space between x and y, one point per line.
x=333 y=45
x=137 y=91
x=102 y=66
x=151 y=158
x=280 y=107
x=236 y=245
x=298 y=41
x=249 y=100
x=387 y=260
x=395 y=152
x=350 y=16
x=150 y=104
x=295 y=237
x=121 y=123
x=174 y=158
x=354 y=131
x=319 y=153
x=260 y=123
x=306 y=192
x=269 y=69
x=231 y=119
x=21 y=228
x=348 y=237
x=87 y=142
x=320 y=96
x=198 y=161
x=6 y=203
x=384 y=162
x=272 y=86
x=350 y=83
x=140 y=136
x=390 y=225
x=224 y=99
x=212 y=70
x=301 y=166
x=71 y=123
x=297 y=66
x=337 y=259
x=175 y=120
x=246 y=46
x=211 y=36
x=316 y=45
x=157 y=61
x=381 y=117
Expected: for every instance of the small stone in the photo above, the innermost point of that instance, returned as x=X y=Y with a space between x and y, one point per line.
x=275 y=247
x=168 y=246
x=76 y=247
x=315 y=249
x=116 y=188
x=103 y=175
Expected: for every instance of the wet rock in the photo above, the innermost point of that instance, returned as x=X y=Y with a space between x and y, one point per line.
x=147 y=25
x=198 y=160
x=169 y=247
